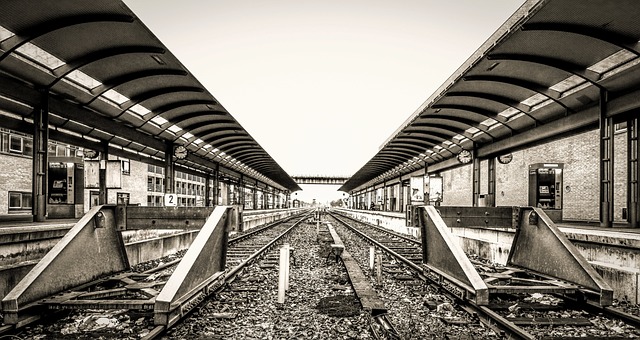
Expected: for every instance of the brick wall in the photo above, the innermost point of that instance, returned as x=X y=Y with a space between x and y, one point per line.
x=15 y=175
x=134 y=184
x=458 y=186
x=580 y=156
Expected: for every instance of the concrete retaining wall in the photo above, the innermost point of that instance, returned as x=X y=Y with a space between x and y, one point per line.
x=614 y=255
x=389 y=220
x=254 y=218
x=21 y=249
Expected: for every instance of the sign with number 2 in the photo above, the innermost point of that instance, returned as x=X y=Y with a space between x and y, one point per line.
x=170 y=200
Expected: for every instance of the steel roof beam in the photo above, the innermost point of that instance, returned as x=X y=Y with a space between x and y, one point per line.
x=207 y=128
x=20 y=38
x=221 y=117
x=525 y=84
x=556 y=63
x=510 y=102
x=437 y=136
x=441 y=129
x=622 y=41
x=149 y=94
x=180 y=104
x=221 y=141
x=406 y=146
x=88 y=58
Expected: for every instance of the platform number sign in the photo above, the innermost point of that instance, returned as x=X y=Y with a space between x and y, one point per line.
x=170 y=200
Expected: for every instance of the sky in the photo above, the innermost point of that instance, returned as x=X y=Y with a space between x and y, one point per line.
x=321 y=84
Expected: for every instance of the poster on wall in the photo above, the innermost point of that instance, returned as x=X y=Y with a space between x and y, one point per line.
x=435 y=193
x=91 y=174
x=417 y=195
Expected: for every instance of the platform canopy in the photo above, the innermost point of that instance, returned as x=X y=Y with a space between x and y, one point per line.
x=110 y=79
x=539 y=76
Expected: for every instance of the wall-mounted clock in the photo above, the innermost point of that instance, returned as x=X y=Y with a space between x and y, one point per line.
x=505 y=159
x=465 y=157
x=89 y=153
x=180 y=152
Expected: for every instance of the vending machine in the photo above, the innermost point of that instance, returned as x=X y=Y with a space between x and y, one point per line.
x=545 y=188
x=65 y=187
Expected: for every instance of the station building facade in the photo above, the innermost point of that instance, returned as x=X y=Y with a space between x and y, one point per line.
x=574 y=160
x=16 y=153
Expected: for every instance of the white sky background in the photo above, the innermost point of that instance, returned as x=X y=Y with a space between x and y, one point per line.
x=321 y=84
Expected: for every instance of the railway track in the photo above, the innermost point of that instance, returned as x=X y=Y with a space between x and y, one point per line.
x=141 y=285
x=319 y=304
x=417 y=307
x=525 y=316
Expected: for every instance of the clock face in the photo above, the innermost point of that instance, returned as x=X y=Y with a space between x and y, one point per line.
x=505 y=159
x=464 y=156
x=180 y=152
x=88 y=153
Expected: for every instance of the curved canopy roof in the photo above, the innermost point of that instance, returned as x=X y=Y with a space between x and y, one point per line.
x=549 y=63
x=111 y=79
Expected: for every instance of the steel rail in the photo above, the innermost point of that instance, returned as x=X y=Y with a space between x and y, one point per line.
x=484 y=314
x=382 y=229
x=230 y=275
x=381 y=246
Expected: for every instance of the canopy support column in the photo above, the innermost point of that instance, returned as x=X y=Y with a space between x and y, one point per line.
x=491 y=180
x=169 y=186
x=216 y=185
x=633 y=173
x=103 y=195
x=475 y=178
x=606 y=163
x=40 y=157
x=207 y=190
x=425 y=184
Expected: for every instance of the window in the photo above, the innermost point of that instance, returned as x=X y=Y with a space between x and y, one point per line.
x=15 y=144
x=123 y=198
x=159 y=184
x=150 y=183
x=19 y=201
x=126 y=166
x=27 y=146
x=620 y=127
x=4 y=142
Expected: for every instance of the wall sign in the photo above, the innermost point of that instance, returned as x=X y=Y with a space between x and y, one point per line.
x=170 y=200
